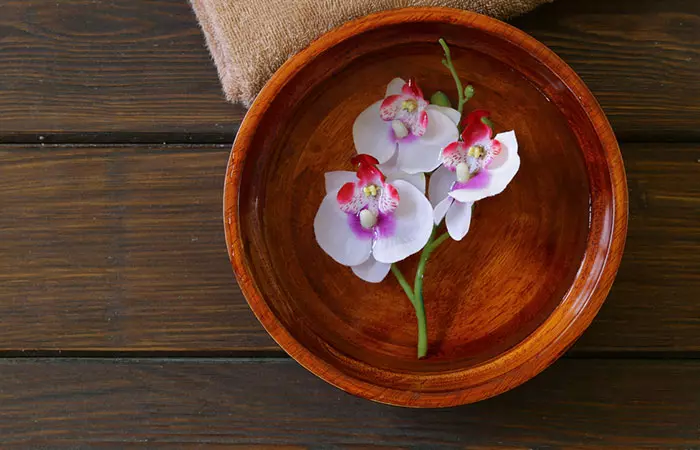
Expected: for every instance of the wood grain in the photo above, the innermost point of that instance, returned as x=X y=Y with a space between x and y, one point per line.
x=639 y=57
x=134 y=69
x=504 y=304
x=658 y=277
x=101 y=245
x=118 y=248
x=128 y=71
x=102 y=403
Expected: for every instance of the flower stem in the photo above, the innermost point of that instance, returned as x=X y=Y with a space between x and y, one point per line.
x=447 y=62
x=432 y=244
x=465 y=94
x=422 y=325
x=402 y=281
x=420 y=311
x=427 y=250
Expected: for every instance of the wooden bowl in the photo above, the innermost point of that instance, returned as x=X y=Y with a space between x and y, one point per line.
x=503 y=303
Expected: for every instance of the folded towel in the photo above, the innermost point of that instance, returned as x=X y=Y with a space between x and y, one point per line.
x=250 y=39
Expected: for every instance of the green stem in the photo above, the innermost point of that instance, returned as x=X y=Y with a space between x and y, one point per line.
x=402 y=281
x=447 y=62
x=432 y=244
x=420 y=311
x=464 y=94
x=427 y=250
x=422 y=325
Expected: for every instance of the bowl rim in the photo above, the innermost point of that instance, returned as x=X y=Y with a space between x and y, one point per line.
x=551 y=338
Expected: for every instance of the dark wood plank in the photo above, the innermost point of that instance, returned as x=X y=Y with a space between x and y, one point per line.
x=124 y=67
x=122 y=249
x=576 y=403
x=653 y=305
x=118 y=248
x=639 y=57
x=139 y=70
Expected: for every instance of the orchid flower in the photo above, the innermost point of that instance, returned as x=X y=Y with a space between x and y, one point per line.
x=379 y=215
x=368 y=223
x=405 y=125
x=473 y=168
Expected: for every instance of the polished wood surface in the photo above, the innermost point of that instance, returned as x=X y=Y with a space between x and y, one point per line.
x=193 y=403
x=59 y=297
x=501 y=305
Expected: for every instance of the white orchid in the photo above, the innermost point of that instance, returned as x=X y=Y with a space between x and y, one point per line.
x=472 y=169
x=379 y=215
x=367 y=223
x=403 y=125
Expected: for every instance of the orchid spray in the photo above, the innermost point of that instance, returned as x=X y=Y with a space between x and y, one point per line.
x=378 y=214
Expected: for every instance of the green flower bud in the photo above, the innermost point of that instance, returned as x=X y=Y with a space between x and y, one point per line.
x=440 y=98
x=468 y=92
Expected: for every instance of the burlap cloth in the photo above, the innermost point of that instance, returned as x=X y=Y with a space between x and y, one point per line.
x=250 y=39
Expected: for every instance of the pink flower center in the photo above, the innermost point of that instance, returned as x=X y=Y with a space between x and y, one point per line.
x=474 y=152
x=406 y=111
x=468 y=160
x=370 y=199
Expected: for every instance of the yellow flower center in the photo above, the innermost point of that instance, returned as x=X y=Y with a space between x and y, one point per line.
x=476 y=151
x=371 y=190
x=409 y=105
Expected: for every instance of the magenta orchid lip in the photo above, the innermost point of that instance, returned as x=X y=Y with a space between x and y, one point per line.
x=377 y=215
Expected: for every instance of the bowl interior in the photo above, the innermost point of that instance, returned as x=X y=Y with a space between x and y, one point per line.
x=483 y=295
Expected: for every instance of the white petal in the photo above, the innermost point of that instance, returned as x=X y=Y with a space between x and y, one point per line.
x=392 y=173
x=423 y=154
x=501 y=171
x=453 y=114
x=458 y=218
x=509 y=149
x=441 y=129
x=416 y=157
x=413 y=225
x=336 y=180
x=372 y=270
x=372 y=135
x=334 y=235
x=497 y=182
x=441 y=209
x=416 y=179
x=394 y=87
x=441 y=182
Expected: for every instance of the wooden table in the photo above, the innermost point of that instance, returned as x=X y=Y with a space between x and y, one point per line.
x=121 y=323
